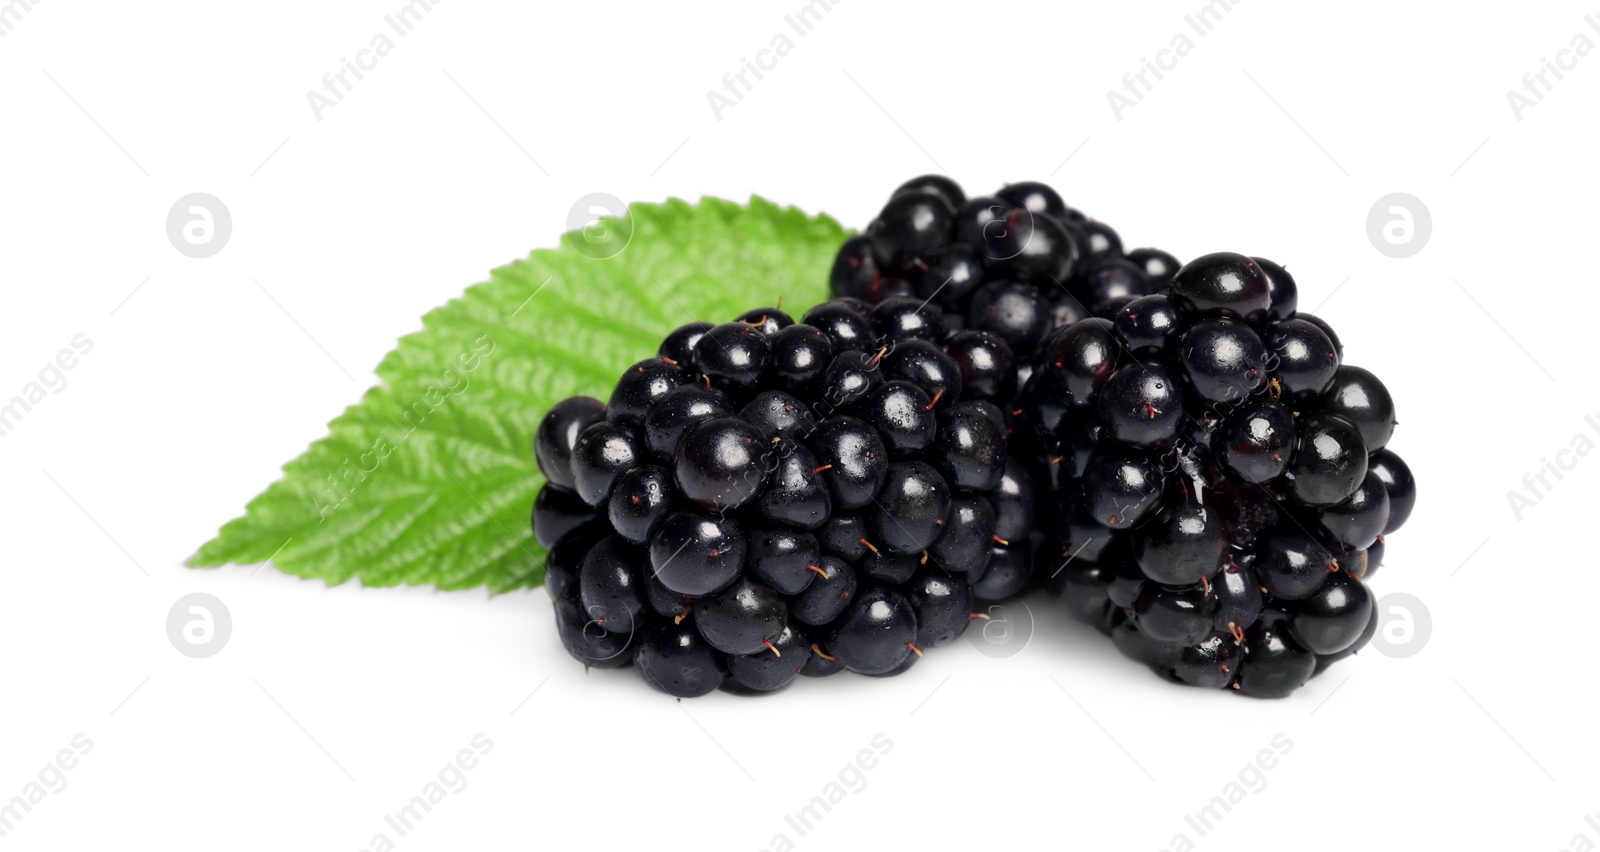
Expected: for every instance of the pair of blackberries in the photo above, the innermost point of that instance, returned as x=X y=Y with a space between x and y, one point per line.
x=766 y=498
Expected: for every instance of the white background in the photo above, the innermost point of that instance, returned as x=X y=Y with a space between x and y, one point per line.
x=467 y=145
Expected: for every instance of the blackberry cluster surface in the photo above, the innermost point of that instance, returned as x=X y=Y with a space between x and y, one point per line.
x=1222 y=485
x=768 y=498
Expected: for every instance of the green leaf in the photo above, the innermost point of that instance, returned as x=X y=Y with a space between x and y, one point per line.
x=430 y=478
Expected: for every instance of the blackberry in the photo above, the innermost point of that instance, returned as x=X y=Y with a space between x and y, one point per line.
x=1218 y=479
x=767 y=499
x=1009 y=270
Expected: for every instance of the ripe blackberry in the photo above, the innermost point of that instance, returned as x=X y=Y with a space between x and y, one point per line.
x=767 y=499
x=1010 y=270
x=1217 y=482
